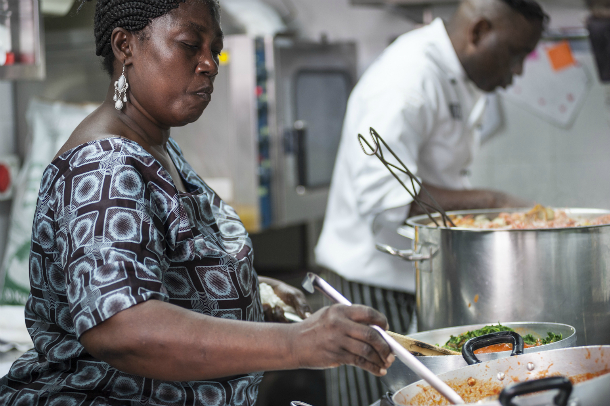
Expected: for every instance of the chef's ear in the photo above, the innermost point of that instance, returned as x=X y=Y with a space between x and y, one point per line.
x=478 y=30
x=122 y=42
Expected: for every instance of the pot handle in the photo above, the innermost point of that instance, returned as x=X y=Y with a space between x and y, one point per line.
x=523 y=388
x=500 y=337
x=407 y=255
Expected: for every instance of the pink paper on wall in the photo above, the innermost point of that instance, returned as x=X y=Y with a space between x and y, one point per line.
x=555 y=95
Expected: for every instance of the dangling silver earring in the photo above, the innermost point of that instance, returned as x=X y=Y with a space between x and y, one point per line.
x=120 y=91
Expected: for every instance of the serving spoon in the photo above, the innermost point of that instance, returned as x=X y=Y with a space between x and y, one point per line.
x=313 y=281
x=417 y=347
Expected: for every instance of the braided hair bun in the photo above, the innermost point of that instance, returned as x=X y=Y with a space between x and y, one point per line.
x=132 y=15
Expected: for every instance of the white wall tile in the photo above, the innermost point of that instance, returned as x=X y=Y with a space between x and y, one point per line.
x=539 y=161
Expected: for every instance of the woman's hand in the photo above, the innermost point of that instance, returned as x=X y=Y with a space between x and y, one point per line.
x=339 y=335
x=289 y=295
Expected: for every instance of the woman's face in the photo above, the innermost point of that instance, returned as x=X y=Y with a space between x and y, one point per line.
x=174 y=63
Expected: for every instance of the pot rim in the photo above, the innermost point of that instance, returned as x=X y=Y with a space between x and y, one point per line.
x=511 y=324
x=416 y=222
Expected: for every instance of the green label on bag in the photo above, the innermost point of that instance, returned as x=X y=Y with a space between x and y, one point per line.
x=13 y=294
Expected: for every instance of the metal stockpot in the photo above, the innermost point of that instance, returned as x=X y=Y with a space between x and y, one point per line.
x=468 y=276
x=474 y=383
x=399 y=375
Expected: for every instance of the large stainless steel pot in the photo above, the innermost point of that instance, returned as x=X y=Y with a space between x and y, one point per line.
x=399 y=375
x=467 y=276
x=475 y=382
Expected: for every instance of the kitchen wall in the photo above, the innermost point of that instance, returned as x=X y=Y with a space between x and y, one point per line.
x=561 y=167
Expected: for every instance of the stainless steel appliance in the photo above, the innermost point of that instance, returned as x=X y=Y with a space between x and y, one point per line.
x=267 y=142
x=467 y=276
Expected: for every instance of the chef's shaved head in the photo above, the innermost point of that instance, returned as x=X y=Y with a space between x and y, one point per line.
x=502 y=9
x=493 y=37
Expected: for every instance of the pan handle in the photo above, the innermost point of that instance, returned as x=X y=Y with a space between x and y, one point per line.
x=490 y=339
x=523 y=388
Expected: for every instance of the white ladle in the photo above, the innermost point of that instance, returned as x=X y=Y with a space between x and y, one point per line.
x=313 y=281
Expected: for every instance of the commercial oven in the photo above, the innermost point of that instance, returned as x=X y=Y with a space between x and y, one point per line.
x=267 y=141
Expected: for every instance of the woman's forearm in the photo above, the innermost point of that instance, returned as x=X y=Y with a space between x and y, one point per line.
x=187 y=345
x=159 y=340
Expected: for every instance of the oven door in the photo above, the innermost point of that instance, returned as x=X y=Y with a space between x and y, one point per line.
x=311 y=83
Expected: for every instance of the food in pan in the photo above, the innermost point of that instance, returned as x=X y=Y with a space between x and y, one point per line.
x=456 y=343
x=538 y=217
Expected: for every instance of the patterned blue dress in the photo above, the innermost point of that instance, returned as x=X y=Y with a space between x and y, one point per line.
x=110 y=231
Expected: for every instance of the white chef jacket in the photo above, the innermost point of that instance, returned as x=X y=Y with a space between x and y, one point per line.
x=417 y=96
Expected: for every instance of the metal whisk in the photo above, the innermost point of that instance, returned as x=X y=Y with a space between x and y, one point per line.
x=377 y=151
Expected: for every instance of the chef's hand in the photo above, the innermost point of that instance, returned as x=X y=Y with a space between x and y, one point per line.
x=339 y=335
x=467 y=199
x=506 y=201
x=290 y=295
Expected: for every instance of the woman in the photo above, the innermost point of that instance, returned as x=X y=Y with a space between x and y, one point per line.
x=122 y=219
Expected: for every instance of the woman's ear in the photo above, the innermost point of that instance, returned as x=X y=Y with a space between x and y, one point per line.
x=121 y=41
x=478 y=30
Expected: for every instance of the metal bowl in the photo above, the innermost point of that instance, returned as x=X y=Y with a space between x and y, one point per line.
x=399 y=375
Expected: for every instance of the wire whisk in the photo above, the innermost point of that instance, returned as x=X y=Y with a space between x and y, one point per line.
x=377 y=151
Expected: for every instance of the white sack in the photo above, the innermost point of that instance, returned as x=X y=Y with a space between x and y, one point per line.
x=50 y=124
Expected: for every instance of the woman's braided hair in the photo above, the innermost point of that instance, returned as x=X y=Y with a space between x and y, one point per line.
x=132 y=15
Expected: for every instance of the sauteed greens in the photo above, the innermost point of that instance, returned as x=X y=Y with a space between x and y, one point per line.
x=456 y=342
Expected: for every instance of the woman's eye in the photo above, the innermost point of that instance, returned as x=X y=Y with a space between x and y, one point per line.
x=191 y=46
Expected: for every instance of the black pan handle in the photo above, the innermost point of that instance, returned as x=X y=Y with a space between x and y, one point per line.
x=500 y=337
x=523 y=388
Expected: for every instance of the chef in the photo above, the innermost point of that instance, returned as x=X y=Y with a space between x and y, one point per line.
x=425 y=95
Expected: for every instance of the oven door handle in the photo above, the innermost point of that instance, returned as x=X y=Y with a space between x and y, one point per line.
x=300 y=141
x=407 y=255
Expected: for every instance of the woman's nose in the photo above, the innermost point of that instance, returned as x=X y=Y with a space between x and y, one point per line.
x=207 y=65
